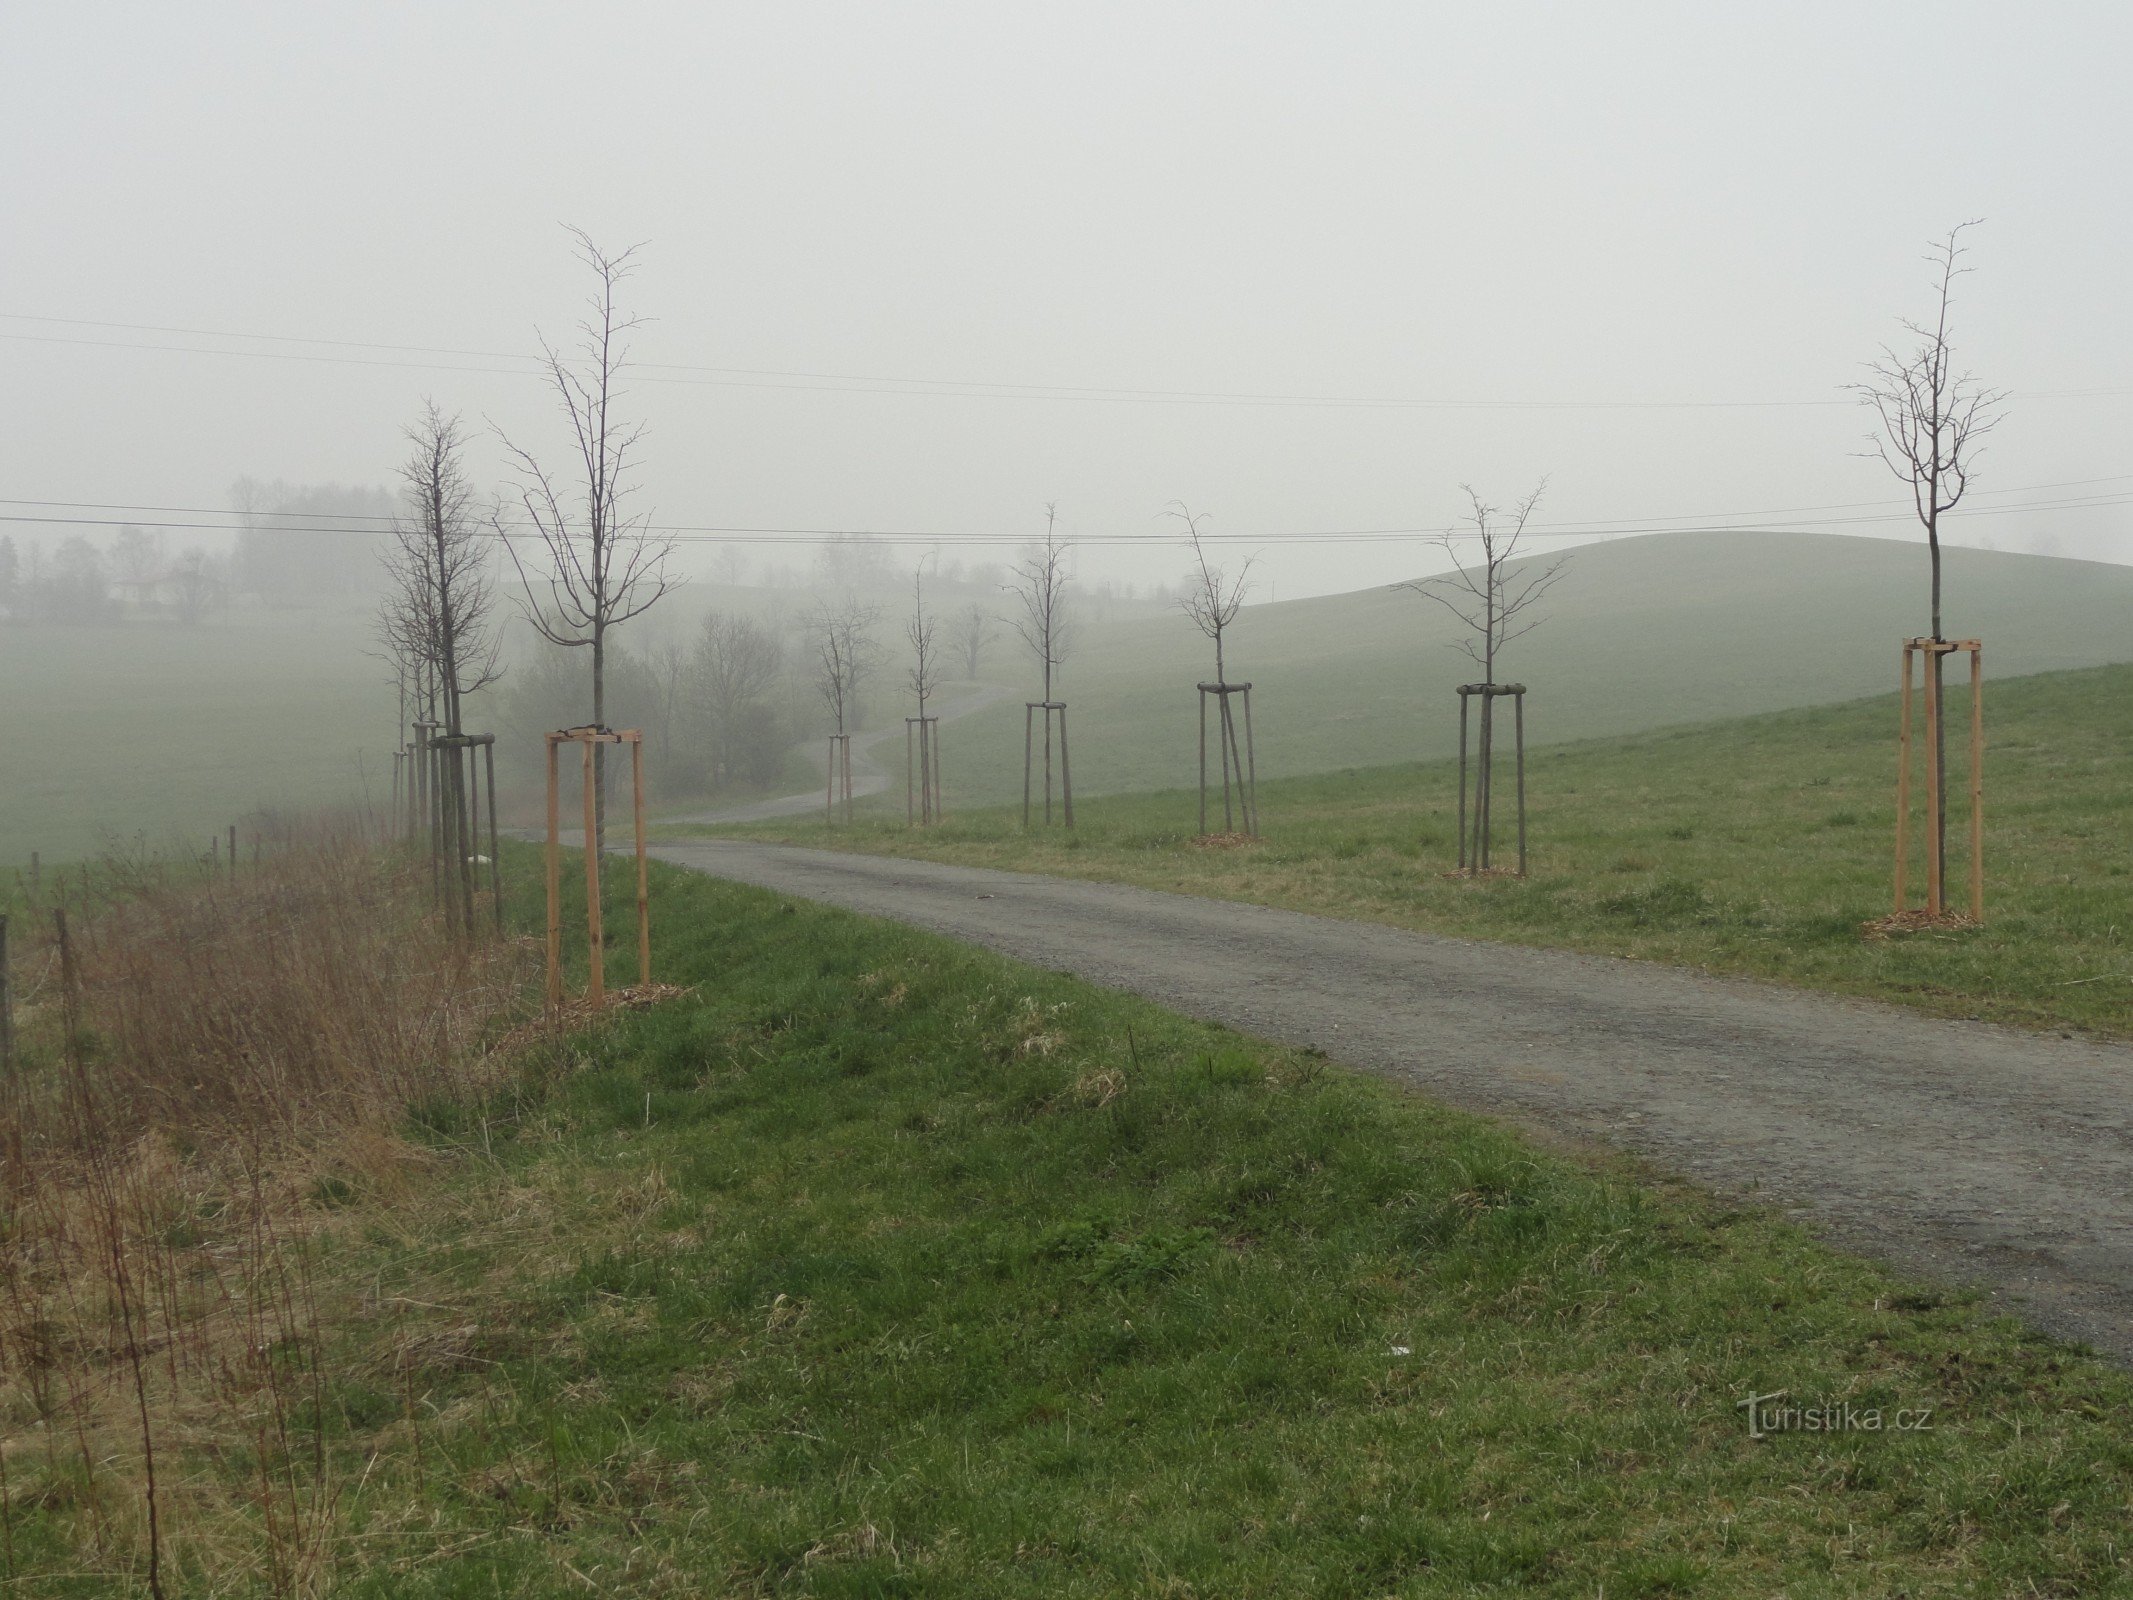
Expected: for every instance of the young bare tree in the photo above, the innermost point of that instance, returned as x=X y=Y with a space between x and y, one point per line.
x=196 y=583
x=1492 y=593
x=438 y=616
x=1038 y=581
x=736 y=663
x=1490 y=598
x=1212 y=598
x=1931 y=418
x=845 y=654
x=841 y=640
x=666 y=664
x=970 y=634
x=598 y=564
x=921 y=632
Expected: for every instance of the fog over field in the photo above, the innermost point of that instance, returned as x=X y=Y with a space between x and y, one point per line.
x=907 y=275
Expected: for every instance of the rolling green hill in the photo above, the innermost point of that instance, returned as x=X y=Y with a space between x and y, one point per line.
x=1640 y=633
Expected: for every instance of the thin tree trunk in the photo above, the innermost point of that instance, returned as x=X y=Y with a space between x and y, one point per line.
x=1940 y=682
x=599 y=650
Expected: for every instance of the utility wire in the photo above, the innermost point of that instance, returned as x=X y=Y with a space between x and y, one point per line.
x=864 y=383
x=1889 y=509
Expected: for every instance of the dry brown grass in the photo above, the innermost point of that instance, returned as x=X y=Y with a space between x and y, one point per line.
x=209 y=1067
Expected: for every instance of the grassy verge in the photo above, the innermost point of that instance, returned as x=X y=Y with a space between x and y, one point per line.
x=880 y=1265
x=1755 y=846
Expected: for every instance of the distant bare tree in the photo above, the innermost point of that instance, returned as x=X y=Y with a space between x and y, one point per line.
x=437 y=618
x=969 y=634
x=732 y=565
x=1482 y=591
x=1212 y=598
x=922 y=634
x=138 y=555
x=1492 y=597
x=1931 y=419
x=602 y=564
x=667 y=665
x=197 y=584
x=845 y=654
x=736 y=664
x=440 y=610
x=1039 y=582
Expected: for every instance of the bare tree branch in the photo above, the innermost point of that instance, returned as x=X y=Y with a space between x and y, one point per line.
x=1212 y=599
x=1487 y=594
x=593 y=563
x=1039 y=582
x=1930 y=418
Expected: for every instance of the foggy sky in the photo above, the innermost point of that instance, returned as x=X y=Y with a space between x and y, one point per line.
x=1452 y=204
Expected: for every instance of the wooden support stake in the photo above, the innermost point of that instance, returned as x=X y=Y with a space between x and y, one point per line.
x=555 y=886
x=595 y=944
x=1935 y=865
x=1903 y=788
x=233 y=852
x=1203 y=763
x=644 y=892
x=1251 y=770
x=1029 y=753
x=910 y=776
x=496 y=868
x=1977 y=783
x=829 y=783
x=1066 y=767
x=1463 y=699
x=1518 y=714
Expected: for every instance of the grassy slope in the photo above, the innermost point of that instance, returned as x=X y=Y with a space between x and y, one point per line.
x=883 y=1266
x=1753 y=846
x=166 y=731
x=1640 y=633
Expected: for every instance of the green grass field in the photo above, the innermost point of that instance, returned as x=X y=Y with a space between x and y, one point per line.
x=1639 y=633
x=155 y=731
x=883 y=1266
x=1753 y=846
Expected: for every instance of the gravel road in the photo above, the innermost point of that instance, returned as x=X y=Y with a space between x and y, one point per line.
x=1958 y=1151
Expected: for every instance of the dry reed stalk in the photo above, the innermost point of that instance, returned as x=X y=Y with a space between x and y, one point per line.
x=223 y=1051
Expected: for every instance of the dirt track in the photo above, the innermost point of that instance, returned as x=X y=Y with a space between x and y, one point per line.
x=1956 y=1150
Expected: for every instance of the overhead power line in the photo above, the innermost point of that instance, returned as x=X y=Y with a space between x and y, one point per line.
x=143 y=515
x=525 y=363
x=1144 y=540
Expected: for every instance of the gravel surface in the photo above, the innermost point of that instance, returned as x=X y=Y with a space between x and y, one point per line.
x=1957 y=1151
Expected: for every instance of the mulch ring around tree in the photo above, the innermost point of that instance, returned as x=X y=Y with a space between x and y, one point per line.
x=1917 y=920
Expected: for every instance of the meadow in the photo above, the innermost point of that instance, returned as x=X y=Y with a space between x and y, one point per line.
x=1638 y=633
x=878 y=1265
x=1756 y=846
x=153 y=731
